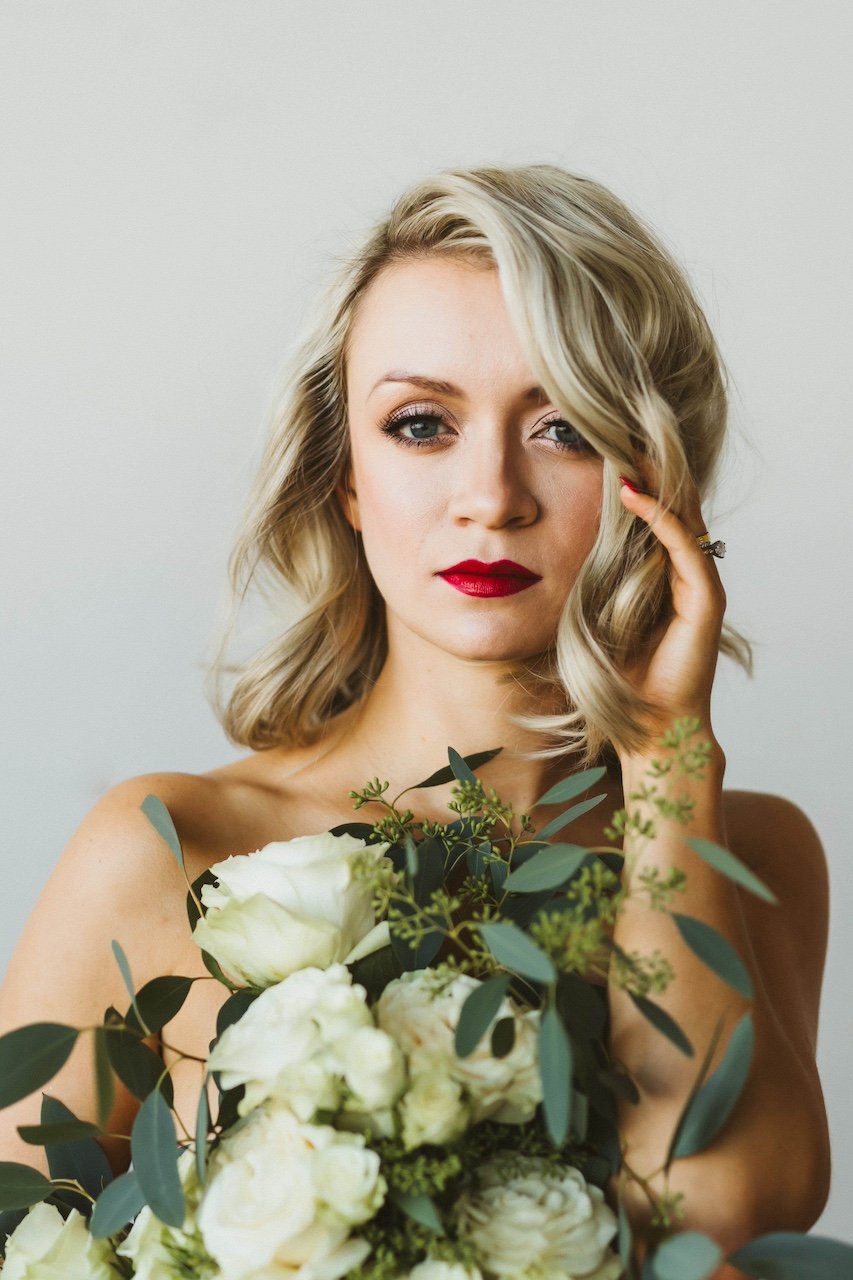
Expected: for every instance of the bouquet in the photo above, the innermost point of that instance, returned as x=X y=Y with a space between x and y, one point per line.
x=409 y=1077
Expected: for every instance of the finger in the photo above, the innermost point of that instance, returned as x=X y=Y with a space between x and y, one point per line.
x=697 y=581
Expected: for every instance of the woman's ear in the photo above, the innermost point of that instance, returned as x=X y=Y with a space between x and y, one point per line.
x=348 y=499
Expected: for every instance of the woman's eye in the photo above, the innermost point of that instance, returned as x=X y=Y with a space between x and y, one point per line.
x=567 y=436
x=423 y=427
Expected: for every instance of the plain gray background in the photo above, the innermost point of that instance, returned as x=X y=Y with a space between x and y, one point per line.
x=176 y=177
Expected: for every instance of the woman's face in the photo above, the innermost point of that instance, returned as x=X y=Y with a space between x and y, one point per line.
x=482 y=469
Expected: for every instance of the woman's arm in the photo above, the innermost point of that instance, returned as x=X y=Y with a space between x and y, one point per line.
x=768 y=1169
x=115 y=879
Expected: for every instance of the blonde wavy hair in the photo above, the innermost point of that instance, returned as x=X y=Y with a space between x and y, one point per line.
x=612 y=331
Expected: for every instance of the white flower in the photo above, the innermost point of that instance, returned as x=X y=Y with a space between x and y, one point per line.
x=146 y=1242
x=435 y=1269
x=264 y=1210
x=433 y=1109
x=421 y=1010
x=530 y=1218
x=302 y=1041
x=44 y=1247
x=346 y=1173
x=290 y=905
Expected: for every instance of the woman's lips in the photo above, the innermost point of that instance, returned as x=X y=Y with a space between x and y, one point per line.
x=502 y=578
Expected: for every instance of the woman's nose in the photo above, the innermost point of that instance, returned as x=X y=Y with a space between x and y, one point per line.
x=491 y=487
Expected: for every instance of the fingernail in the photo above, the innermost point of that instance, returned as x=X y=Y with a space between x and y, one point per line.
x=632 y=487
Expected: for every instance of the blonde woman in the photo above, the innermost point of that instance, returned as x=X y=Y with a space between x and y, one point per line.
x=484 y=482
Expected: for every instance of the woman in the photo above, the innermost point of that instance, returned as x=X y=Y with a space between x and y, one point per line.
x=461 y=486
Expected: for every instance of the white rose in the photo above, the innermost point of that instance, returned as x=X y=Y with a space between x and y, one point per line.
x=288 y=906
x=421 y=1010
x=280 y=1046
x=262 y=1211
x=46 y=1247
x=373 y=1067
x=348 y=1176
x=433 y=1109
x=435 y=1269
x=541 y=1220
x=303 y=1039
x=146 y=1243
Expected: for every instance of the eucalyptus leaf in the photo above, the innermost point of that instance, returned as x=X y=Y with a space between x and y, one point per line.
x=562 y=820
x=715 y=951
x=478 y=1012
x=154 y=1152
x=785 y=1255
x=420 y=956
x=213 y=967
x=137 y=1066
x=421 y=1208
x=446 y=774
x=664 y=1023
x=21 y=1186
x=462 y=771
x=711 y=1107
x=728 y=865
x=555 y=1069
x=160 y=818
x=549 y=869
x=202 y=1124
x=160 y=1000
x=477 y=859
x=361 y=830
x=689 y=1255
x=233 y=1008
x=81 y=1160
x=375 y=971
x=582 y=1007
x=104 y=1083
x=127 y=977
x=40 y=1135
x=513 y=949
x=32 y=1055
x=624 y=1237
x=579 y=1117
x=571 y=786
x=503 y=1037
x=117 y=1205
x=195 y=906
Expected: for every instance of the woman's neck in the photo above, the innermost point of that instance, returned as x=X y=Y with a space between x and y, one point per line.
x=418 y=708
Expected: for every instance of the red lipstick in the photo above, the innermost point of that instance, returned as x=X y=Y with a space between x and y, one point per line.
x=501 y=578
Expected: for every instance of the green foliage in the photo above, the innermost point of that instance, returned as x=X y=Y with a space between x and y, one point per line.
x=32 y=1055
x=117 y=1205
x=477 y=1013
x=154 y=1151
x=710 y=1108
x=690 y=1255
x=21 y=1186
x=555 y=1069
x=785 y=1255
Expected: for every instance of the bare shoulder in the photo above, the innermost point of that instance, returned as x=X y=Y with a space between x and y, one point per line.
x=777 y=839
x=779 y=842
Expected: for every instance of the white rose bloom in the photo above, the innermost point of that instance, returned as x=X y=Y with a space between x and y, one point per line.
x=263 y=1212
x=421 y=1010
x=373 y=1067
x=545 y=1222
x=347 y=1175
x=46 y=1247
x=303 y=1039
x=435 y=1269
x=288 y=906
x=146 y=1242
x=433 y=1109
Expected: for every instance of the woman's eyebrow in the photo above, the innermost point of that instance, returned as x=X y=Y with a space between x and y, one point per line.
x=441 y=386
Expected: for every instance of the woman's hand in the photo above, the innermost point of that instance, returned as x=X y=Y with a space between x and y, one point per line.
x=676 y=672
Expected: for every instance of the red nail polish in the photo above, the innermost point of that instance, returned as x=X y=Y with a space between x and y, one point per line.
x=632 y=487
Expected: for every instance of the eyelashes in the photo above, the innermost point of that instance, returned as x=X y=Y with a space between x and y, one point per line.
x=415 y=418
